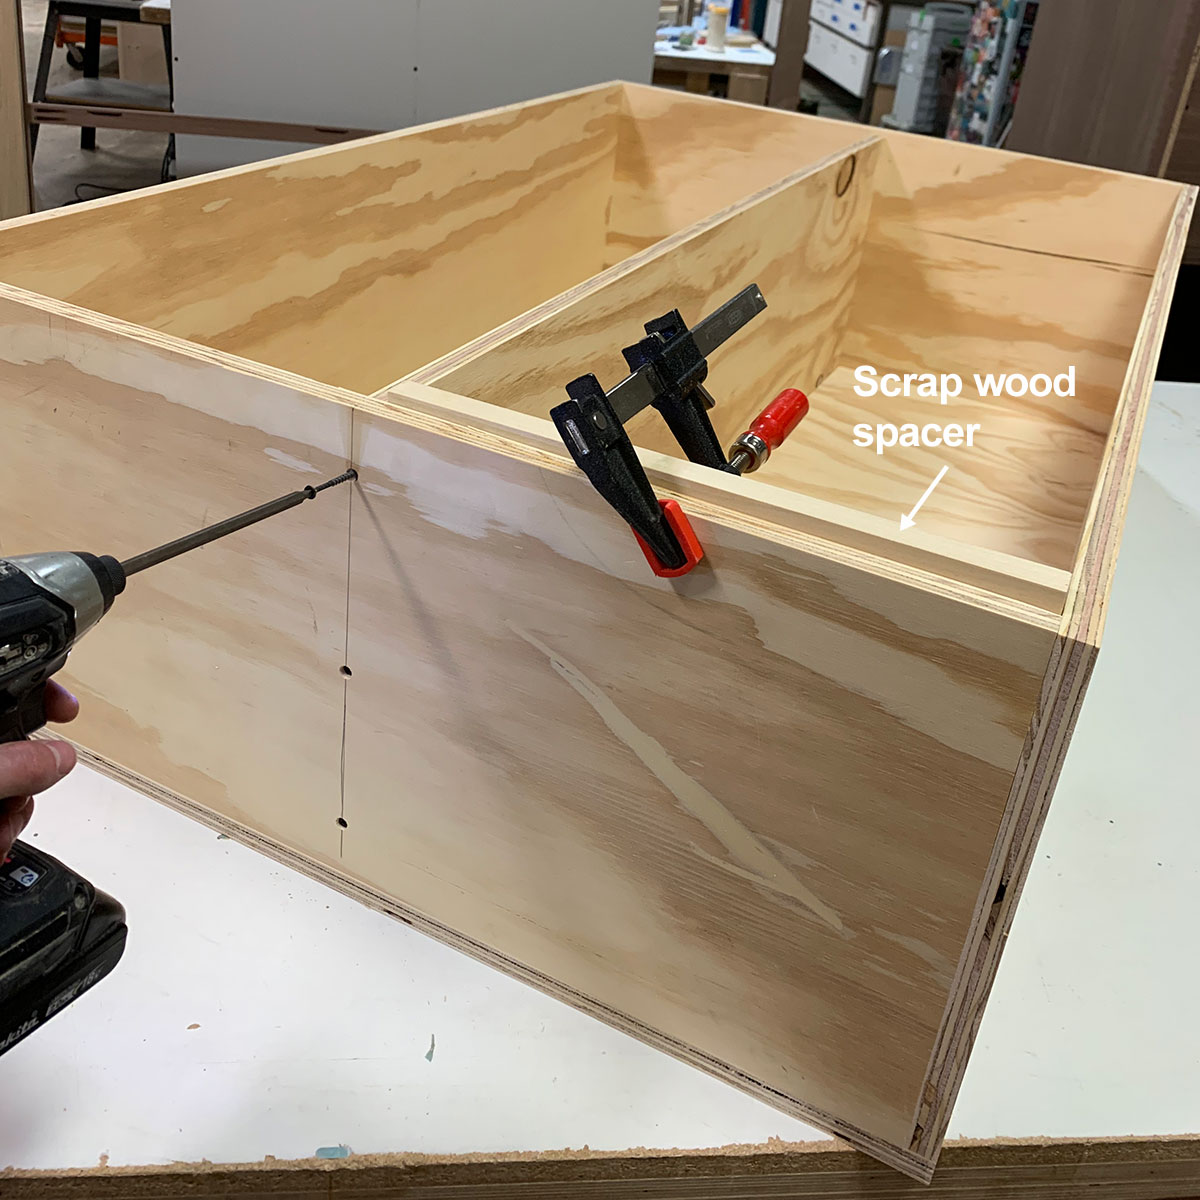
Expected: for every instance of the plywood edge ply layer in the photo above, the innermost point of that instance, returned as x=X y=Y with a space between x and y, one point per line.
x=1165 y=1168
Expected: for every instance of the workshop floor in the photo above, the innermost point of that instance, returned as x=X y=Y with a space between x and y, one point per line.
x=62 y=172
x=829 y=99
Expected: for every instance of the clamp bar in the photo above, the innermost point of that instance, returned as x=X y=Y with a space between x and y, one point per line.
x=648 y=382
x=667 y=372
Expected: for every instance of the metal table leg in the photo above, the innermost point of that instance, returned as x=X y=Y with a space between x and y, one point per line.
x=91 y=70
x=42 y=78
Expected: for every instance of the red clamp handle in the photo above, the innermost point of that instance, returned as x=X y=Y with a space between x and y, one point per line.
x=776 y=422
x=771 y=427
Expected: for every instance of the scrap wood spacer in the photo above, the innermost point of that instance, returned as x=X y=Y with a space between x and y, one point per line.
x=669 y=367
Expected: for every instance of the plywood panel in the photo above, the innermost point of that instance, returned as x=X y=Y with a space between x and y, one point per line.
x=1064 y=688
x=1150 y=1168
x=930 y=298
x=758 y=497
x=218 y=678
x=534 y=760
x=801 y=244
x=680 y=160
x=967 y=192
x=603 y=860
x=351 y=267
x=16 y=190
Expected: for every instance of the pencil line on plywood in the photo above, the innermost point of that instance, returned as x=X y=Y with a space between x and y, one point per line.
x=346 y=654
x=1079 y=258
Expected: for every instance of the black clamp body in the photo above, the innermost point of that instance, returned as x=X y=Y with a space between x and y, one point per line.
x=669 y=368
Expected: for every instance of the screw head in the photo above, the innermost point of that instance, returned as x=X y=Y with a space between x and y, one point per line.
x=599 y=420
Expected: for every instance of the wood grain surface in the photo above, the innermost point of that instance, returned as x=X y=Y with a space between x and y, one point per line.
x=990 y=576
x=533 y=757
x=354 y=267
x=679 y=161
x=1023 y=489
x=1064 y=689
x=516 y=745
x=218 y=678
x=994 y=266
x=1144 y=53
x=801 y=243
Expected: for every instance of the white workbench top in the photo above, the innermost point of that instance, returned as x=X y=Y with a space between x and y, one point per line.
x=705 y=58
x=256 y=1012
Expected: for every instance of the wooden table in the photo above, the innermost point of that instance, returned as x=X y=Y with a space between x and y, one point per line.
x=91 y=91
x=156 y=12
x=748 y=69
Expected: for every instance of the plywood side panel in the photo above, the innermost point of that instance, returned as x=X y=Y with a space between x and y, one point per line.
x=641 y=845
x=1063 y=692
x=933 y=302
x=800 y=242
x=356 y=266
x=217 y=675
x=967 y=192
x=679 y=162
x=712 y=812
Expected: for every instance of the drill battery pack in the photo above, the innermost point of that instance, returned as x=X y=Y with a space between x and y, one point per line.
x=59 y=935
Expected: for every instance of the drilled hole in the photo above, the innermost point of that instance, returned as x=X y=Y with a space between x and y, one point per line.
x=846 y=175
x=346 y=671
x=343 y=822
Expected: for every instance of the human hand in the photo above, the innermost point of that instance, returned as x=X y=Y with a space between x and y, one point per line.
x=27 y=768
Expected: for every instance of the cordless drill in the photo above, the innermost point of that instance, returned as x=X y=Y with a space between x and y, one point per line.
x=58 y=934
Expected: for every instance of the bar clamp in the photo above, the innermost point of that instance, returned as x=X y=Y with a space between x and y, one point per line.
x=668 y=372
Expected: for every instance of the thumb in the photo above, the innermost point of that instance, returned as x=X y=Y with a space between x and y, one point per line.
x=27 y=768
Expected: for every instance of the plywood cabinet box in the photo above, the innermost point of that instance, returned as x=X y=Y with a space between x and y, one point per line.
x=772 y=817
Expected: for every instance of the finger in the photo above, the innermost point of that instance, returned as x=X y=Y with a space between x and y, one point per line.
x=27 y=768
x=61 y=706
x=14 y=816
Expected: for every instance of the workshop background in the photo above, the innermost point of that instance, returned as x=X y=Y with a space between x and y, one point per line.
x=357 y=1036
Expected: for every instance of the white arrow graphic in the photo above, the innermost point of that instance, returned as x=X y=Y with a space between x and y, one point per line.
x=909 y=519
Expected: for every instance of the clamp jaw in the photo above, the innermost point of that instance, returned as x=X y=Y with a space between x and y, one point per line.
x=669 y=367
